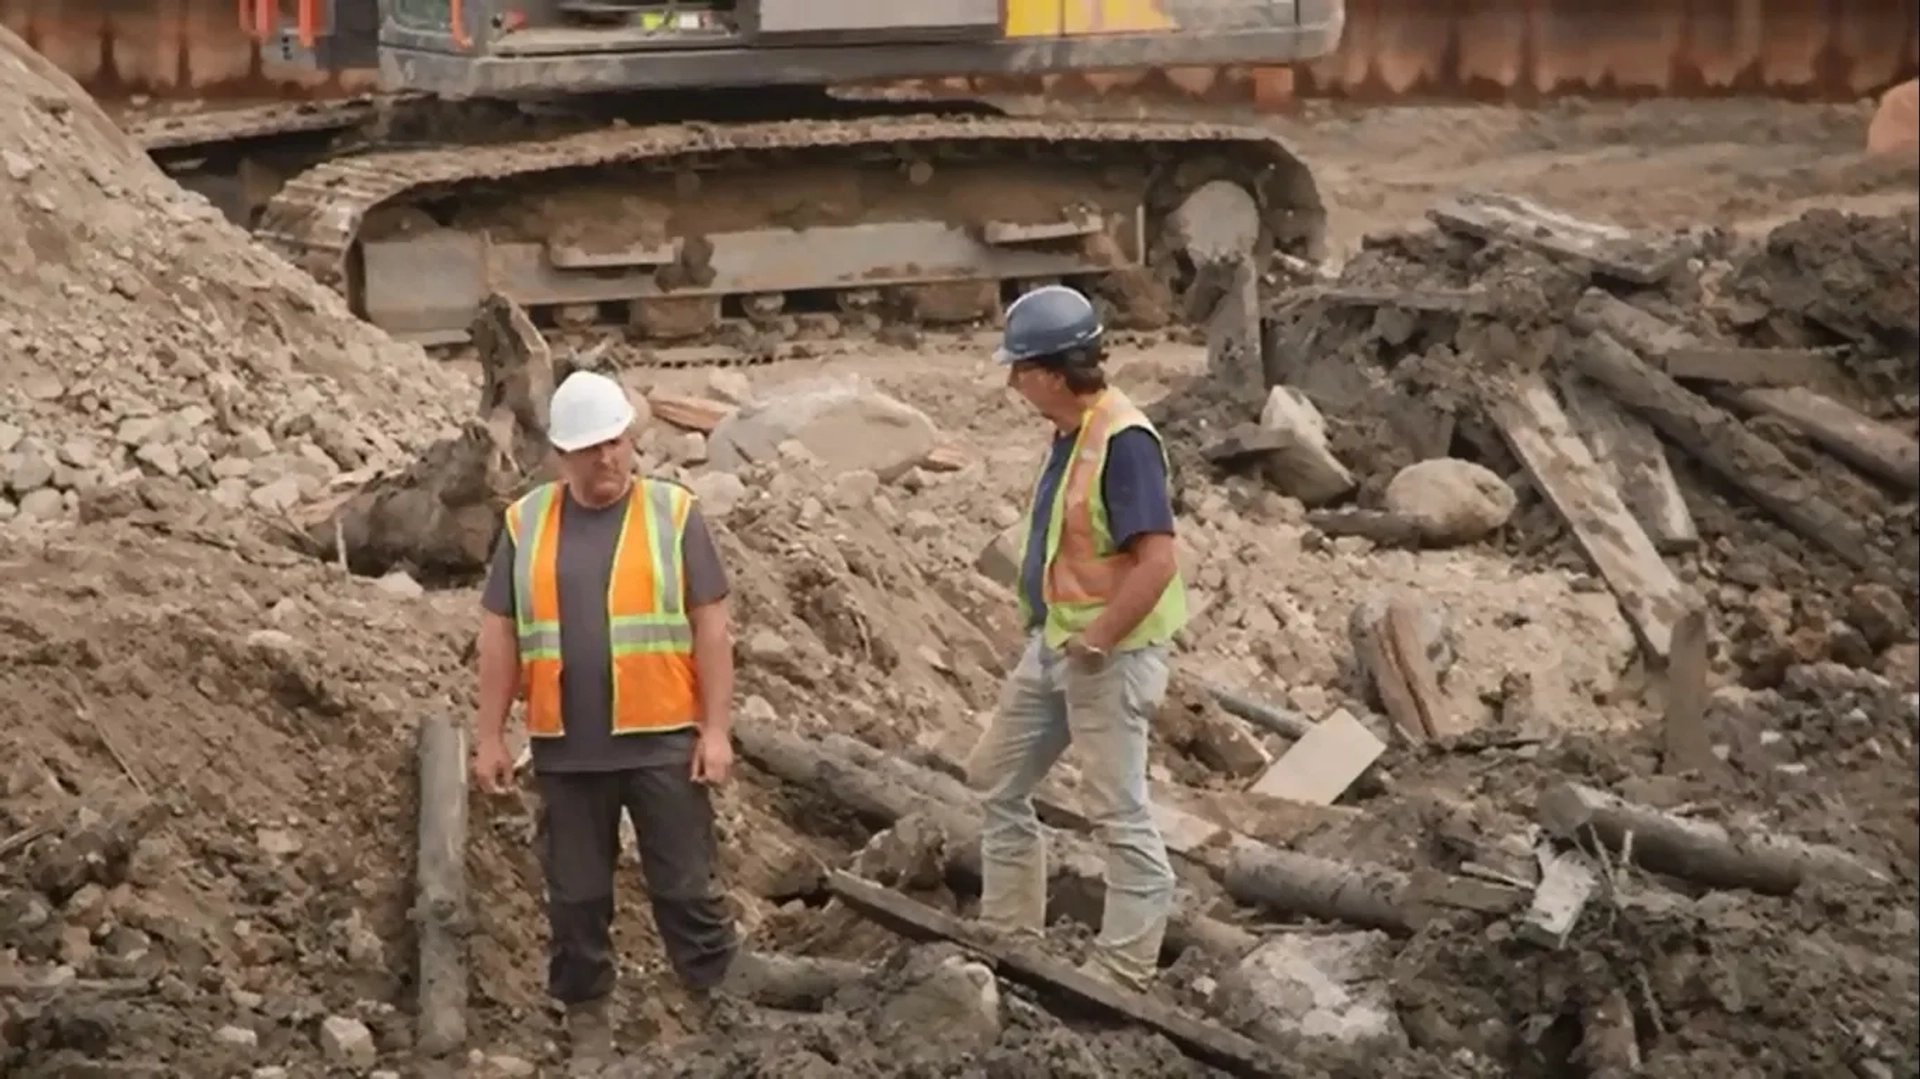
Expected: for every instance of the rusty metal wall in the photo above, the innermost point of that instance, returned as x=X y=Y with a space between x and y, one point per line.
x=1516 y=50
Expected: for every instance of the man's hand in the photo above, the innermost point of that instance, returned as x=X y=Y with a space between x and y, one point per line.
x=1087 y=654
x=712 y=760
x=492 y=766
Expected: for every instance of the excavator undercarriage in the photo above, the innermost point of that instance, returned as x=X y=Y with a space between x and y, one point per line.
x=775 y=204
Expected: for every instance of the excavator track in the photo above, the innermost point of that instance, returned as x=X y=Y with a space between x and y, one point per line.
x=685 y=231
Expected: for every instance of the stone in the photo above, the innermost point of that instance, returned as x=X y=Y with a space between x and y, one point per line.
x=855 y=488
x=44 y=504
x=276 y=497
x=1880 y=615
x=161 y=457
x=511 y=1067
x=1326 y=985
x=843 y=423
x=31 y=471
x=238 y=1037
x=719 y=493
x=347 y=1043
x=1451 y=501
x=731 y=387
x=687 y=448
x=1895 y=129
x=10 y=436
x=923 y=524
x=136 y=430
x=400 y=586
x=999 y=560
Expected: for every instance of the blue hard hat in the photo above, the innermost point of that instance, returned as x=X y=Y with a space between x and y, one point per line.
x=1048 y=321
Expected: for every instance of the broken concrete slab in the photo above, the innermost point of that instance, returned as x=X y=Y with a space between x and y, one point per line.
x=1327 y=760
x=1314 y=985
x=999 y=560
x=844 y=423
x=1302 y=465
x=1566 y=883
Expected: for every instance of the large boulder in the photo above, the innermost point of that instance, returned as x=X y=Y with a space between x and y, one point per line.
x=844 y=423
x=1451 y=501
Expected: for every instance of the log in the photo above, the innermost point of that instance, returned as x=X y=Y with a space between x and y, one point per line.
x=1024 y=963
x=1753 y=366
x=1649 y=594
x=1875 y=448
x=1594 y=247
x=440 y=911
x=1296 y=884
x=885 y=789
x=1277 y=720
x=1616 y=332
x=442 y=514
x=1633 y=460
x=1382 y=528
x=1699 y=851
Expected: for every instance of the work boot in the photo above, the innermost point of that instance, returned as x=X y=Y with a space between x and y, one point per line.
x=589 y=1037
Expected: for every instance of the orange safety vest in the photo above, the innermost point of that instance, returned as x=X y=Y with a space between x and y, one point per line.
x=1083 y=567
x=656 y=686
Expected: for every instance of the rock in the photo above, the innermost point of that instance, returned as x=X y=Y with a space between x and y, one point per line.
x=999 y=560
x=731 y=387
x=32 y=469
x=687 y=448
x=1900 y=665
x=1450 y=500
x=10 y=436
x=1304 y=468
x=922 y=524
x=1880 y=615
x=44 y=504
x=1315 y=986
x=276 y=497
x=764 y=646
x=719 y=493
x=510 y=1067
x=161 y=457
x=855 y=488
x=238 y=1037
x=347 y=1043
x=844 y=424
x=400 y=586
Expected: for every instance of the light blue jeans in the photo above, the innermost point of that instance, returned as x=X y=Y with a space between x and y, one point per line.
x=1049 y=702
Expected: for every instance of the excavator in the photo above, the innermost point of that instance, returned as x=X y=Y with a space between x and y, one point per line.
x=683 y=165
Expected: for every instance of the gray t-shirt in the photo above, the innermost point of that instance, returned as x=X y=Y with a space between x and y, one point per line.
x=587 y=540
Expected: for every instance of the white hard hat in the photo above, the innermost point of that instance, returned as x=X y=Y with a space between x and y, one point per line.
x=587 y=409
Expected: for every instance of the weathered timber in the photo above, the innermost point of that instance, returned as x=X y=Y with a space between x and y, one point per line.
x=1611 y=357
x=1298 y=884
x=1400 y=630
x=1025 y=963
x=440 y=911
x=1633 y=460
x=1685 y=743
x=442 y=514
x=1377 y=656
x=884 y=789
x=1881 y=451
x=1700 y=851
x=1382 y=528
x=1599 y=248
x=700 y=414
x=1280 y=721
x=1566 y=883
x=1752 y=366
x=1541 y=436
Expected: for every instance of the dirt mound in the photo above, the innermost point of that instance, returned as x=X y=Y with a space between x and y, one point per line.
x=146 y=336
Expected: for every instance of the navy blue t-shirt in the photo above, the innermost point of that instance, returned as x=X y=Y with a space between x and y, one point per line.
x=1134 y=485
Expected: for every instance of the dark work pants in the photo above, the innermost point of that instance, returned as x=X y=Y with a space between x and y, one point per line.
x=579 y=840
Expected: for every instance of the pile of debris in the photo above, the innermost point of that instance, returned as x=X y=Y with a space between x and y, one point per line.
x=1517 y=361
x=146 y=337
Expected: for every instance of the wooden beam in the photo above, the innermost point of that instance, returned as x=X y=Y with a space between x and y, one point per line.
x=440 y=903
x=1542 y=437
x=1022 y=962
x=1752 y=366
x=1880 y=450
x=1686 y=745
x=1631 y=456
x=1606 y=249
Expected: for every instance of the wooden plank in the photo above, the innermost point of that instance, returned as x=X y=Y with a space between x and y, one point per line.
x=1880 y=450
x=1400 y=630
x=1619 y=336
x=1608 y=249
x=1541 y=436
x=700 y=414
x=1631 y=456
x=440 y=902
x=1022 y=962
x=1320 y=767
x=1566 y=883
x=1685 y=743
x=1753 y=366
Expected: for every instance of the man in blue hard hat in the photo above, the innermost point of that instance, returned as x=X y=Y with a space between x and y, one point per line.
x=1101 y=597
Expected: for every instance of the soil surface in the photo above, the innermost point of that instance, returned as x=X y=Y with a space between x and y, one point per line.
x=206 y=785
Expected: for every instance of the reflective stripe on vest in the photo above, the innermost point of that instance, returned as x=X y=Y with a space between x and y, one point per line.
x=1082 y=568
x=655 y=687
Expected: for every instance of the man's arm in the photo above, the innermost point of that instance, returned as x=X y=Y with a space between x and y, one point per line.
x=499 y=645
x=706 y=588
x=1140 y=517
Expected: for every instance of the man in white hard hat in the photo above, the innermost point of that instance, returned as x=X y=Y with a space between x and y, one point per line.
x=606 y=612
